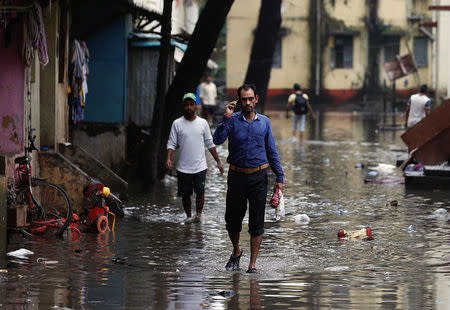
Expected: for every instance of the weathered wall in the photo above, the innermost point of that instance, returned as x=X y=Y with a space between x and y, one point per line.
x=48 y=81
x=241 y=22
x=106 y=142
x=343 y=17
x=11 y=93
x=59 y=170
x=443 y=50
x=400 y=25
x=32 y=106
x=3 y=220
x=107 y=83
x=298 y=45
x=54 y=108
x=94 y=168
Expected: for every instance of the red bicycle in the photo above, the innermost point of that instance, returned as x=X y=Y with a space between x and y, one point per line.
x=48 y=206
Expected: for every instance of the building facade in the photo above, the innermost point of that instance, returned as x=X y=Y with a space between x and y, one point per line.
x=336 y=49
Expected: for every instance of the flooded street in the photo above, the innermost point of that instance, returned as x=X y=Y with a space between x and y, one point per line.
x=155 y=260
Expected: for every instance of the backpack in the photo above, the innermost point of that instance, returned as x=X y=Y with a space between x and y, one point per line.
x=300 y=106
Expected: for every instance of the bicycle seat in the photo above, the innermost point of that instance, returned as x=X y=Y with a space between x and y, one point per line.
x=20 y=160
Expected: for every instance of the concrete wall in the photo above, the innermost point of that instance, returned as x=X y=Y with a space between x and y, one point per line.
x=59 y=170
x=3 y=220
x=443 y=50
x=106 y=142
x=241 y=21
x=12 y=79
x=94 y=168
x=54 y=108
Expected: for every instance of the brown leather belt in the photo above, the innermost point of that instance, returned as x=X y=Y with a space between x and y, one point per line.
x=248 y=170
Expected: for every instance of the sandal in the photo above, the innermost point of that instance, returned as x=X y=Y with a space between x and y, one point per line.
x=233 y=262
x=251 y=270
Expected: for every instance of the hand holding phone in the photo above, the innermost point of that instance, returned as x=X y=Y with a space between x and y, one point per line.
x=229 y=108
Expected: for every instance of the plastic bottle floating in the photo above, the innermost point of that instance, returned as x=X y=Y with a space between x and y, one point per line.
x=302 y=219
x=364 y=234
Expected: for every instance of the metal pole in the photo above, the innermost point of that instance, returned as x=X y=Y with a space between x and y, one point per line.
x=393 y=103
x=318 y=48
x=384 y=102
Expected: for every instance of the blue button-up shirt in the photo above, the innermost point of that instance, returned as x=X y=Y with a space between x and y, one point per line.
x=250 y=145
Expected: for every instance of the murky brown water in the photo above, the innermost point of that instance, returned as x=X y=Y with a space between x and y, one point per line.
x=165 y=263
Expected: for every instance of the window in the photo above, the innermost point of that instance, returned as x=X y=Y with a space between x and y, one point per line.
x=276 y=61
x=391 y=47
x=421 y=51
x=341 y=55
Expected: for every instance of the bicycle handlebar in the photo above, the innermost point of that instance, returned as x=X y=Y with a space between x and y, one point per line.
x=31 y=139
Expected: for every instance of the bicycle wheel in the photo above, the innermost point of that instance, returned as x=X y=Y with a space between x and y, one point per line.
x=49 y=208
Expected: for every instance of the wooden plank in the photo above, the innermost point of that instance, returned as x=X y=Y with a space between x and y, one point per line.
x=428 y=128
x=439 y=7
x=432 y=24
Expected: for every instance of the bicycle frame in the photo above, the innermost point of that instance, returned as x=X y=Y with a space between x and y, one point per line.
x=40 y=215
x=26 y=161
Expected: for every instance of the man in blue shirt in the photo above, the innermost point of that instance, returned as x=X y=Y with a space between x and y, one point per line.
x=251 y=149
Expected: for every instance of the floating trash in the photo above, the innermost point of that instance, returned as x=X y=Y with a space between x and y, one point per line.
x=119 y=260
x=302 y=219
x=359 y=166
x=21 y=253
x=226 y=293
x=364 y=234
x=372 y=173
x=439 y=214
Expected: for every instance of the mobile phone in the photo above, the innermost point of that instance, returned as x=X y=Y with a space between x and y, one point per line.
x=238 y=106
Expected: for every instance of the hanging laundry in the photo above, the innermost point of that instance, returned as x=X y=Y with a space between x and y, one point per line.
x=34 y=35
x=79 y=72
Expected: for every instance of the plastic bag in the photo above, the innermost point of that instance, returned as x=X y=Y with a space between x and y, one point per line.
x=277 y=202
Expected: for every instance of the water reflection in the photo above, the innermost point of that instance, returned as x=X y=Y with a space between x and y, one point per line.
x=156 y=260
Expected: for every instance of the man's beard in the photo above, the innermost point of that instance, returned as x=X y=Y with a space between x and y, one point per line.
x=188 y=113
x=247 y=110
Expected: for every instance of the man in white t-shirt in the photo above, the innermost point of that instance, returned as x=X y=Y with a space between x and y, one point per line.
x=208 y=98
x=418 y=107
x=191 y=134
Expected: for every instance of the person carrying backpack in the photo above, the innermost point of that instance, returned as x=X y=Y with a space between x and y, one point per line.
x=299 y=102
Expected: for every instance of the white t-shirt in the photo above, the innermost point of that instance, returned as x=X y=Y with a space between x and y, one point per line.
x=417 y=104
x=208 y=92
x=190 y=137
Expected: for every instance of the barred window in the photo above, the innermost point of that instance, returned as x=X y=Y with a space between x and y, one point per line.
x=420 y=47
x=276 y=61
x=341 y=55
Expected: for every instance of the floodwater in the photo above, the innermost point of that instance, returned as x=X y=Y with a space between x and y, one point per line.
x=155 y=260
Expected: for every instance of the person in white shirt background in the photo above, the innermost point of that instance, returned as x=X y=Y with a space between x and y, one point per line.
x=208 y=98
x=191 y=134
x=419 y=106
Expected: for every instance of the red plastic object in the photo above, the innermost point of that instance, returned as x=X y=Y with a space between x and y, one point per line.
x=275 y=200
x=93 y=212
x=101 y=223
x=368 y=232
x=341 y=233
x=38 y=230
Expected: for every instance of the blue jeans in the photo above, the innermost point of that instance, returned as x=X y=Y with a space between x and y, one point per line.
x=298 y=118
